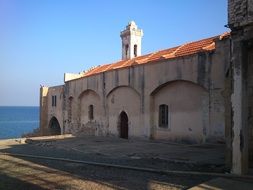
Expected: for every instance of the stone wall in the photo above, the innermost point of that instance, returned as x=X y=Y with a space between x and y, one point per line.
x=241 y=23
x=135 y=89
x=43 y=109
x=48 y=111
x=240 y=13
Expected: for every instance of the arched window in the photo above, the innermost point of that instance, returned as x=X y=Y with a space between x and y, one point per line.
x=163 y=116
x=135 y=50
x=126 y=49
x=91 y=110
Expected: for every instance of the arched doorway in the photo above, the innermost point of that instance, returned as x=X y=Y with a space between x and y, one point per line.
x=123 y=125
x=54 y=127
x=116 y=103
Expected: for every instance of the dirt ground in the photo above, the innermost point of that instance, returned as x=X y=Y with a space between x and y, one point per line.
x=31 y=173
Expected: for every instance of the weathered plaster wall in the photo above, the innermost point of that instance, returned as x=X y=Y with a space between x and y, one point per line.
x=241 y=23
x=93 y=126
x=240 y=20
x=220 y=63
x=135 y=90
x=186 y=102
x=43 y=109
x=54 y=111
x=72 y=76
x=126 y=99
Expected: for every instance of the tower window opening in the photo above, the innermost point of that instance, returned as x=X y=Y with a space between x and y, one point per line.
x=135 y=50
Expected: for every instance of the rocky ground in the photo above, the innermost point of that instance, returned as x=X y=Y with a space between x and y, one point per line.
x=31 y=173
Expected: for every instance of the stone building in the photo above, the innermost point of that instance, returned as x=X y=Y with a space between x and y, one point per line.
x=197 y=92
x=239 y=87
x=174 y=94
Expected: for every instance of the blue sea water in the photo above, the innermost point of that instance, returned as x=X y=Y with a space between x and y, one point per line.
x=16 y=121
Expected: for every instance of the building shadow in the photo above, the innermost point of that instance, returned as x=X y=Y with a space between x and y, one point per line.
x=46 y=173
x=10 y=183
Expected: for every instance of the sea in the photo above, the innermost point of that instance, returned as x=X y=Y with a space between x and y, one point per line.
x=16 y=121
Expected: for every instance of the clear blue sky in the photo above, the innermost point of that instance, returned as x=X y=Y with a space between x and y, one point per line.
x=40 y=40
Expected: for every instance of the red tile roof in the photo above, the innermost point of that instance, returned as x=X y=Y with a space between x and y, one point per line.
x=207 y=44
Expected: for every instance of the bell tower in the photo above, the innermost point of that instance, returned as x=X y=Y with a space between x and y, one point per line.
x=131 y=41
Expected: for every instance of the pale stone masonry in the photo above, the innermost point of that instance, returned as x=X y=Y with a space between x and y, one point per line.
x=173 y=94
x=197 y=92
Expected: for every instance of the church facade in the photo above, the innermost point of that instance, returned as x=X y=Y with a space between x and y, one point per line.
x=197 y=92
x=174 y=94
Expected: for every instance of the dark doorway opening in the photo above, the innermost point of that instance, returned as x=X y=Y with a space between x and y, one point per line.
x=54 y=127
x=123 y=125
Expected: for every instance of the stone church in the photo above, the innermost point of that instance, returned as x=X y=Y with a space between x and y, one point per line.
x=197 y=92
x=173 y=94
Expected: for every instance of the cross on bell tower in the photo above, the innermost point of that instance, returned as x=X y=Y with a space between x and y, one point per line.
x=131 y=41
